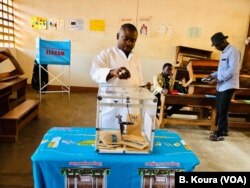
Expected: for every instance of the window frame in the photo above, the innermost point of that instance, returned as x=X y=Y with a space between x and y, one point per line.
x=7 y=36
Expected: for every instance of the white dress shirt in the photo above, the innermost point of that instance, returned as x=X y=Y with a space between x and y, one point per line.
x=108 y=59
x=114 y=58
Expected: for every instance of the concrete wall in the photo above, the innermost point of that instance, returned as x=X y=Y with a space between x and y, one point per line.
x=181 y=18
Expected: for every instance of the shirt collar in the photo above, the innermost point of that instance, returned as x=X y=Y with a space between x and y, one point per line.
x=121 y=52
x=227 y=47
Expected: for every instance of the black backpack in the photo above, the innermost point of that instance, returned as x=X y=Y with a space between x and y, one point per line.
x=35 y=77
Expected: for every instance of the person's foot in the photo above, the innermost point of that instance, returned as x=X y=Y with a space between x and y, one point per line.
x=215 y=137
x=166 y=115
x=223 y=134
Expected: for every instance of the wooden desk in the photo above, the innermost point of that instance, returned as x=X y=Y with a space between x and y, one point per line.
x=15 y=110
x=18 y=87
x=5 y=92
x=203 y=88
x=207 y=111
x=12 y=93
x=191 y=100
x=241 y=109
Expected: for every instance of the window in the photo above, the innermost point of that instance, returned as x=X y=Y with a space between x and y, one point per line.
x=6 y=23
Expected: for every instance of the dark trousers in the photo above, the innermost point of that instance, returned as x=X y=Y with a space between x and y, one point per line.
x=223 y=100
x=172 y=110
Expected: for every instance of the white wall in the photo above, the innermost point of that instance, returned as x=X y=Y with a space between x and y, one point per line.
x=179 y=16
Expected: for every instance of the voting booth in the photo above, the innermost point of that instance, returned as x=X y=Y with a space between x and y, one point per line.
x=54 y=53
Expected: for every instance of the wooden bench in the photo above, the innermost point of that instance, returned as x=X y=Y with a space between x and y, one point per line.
x=12 y=93
x=198 y=69
x=238 y=109
x=5 y=92
x=190 y=100
x=15 y=119
x=203 y=88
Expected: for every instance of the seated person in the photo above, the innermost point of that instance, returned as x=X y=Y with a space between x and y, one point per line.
x=164 y=83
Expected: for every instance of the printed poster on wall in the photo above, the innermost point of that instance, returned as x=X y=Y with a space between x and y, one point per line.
x=52 y=24
x=76 y=24
x=144 y=26
x=38 y=22
x=97 y=25
x=60 y=24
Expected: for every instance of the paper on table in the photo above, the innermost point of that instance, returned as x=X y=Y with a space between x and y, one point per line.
x=206 y=79
x=211 y=96
x=134 y=141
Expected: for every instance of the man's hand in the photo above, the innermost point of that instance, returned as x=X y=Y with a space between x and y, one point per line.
x=164 y=91
x=210 y=80
x=213 y=81
x=122 y=73
x=148 y=85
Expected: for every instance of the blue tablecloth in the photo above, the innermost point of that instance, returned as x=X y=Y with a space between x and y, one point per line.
x=64 y=149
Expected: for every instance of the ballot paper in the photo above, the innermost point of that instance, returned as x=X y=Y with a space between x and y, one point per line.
x=206 y=79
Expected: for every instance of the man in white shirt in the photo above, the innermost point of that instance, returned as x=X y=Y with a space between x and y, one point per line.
x=118 y=66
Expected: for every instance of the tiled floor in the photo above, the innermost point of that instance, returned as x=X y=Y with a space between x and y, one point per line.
x=56 y=110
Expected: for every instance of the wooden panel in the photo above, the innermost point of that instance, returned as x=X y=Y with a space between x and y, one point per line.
x=190 y=100
x=15 y=111
x=14 y=120
x=198 y=69
x=5 y=55
x=17 y=93
x=240 y=106
x=245 y=69
x=203 y=88
x=190 y=52
x=183 y=56
x=5 y=92
x=20 y=110
x=204 y=67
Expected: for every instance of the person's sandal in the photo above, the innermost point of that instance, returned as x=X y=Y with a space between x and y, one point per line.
x=223 y=134
x=214 y=137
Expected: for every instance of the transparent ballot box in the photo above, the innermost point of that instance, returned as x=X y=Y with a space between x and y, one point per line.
x=125 y=120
